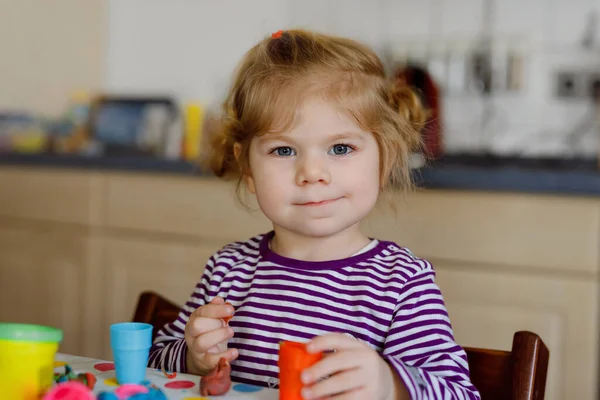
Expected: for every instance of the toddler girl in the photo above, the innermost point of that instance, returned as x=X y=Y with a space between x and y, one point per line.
x=315 y=132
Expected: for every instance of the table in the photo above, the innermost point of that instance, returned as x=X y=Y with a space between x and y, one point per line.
x=180 y=387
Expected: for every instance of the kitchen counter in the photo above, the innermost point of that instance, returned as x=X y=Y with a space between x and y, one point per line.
x=141 y=164
x=484 y=173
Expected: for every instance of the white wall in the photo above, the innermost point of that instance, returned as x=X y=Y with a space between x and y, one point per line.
x=190 y=47
x=185 y=47
x=48 y=50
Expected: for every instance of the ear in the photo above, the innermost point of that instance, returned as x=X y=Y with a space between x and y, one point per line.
x=250 y=184
x=237 y=151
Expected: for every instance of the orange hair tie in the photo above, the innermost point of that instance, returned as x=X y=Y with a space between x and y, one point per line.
x=277 y=34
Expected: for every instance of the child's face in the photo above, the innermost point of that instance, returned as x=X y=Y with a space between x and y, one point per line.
x=319 y=178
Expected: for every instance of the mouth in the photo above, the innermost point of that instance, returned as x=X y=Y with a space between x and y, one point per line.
x=318 y=203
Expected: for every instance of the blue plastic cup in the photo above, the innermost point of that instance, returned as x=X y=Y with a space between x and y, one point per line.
x=131 y=342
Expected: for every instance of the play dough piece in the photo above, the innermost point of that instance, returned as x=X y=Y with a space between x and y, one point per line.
x=111 y=382
x=218 y=382
x=169 y=375
x=71 y=390
x=107 y=396
x=227 y=319
x=128 y=390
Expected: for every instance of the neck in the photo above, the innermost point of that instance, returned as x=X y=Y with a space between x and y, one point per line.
x=308 y=248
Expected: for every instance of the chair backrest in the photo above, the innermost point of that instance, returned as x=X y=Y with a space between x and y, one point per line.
x=155 y=310
x=516 y=375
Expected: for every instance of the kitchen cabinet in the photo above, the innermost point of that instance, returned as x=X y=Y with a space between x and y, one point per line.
x=41 y=277
x=508 y=262
x=486 y=308
x=137 y=263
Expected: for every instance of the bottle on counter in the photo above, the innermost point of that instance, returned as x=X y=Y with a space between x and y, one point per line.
x=75 y=139
x=193 y=129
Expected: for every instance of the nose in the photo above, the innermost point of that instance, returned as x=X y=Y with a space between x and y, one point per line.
x=312 y=170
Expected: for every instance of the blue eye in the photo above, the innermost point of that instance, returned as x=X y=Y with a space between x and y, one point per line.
x=340 y=150
x=284 y=151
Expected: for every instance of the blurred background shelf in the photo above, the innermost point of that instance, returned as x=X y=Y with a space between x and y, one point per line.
x=459 y=172
x=116 y=163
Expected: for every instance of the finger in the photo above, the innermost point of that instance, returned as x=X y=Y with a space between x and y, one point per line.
x=230 y=355
x=208 y=362
x=357 y=394
x=217 y=300
x=339 y=384
x=336 y=363
x=202 y=343
x=335 y=341
x=215 y=311
x=197 y=326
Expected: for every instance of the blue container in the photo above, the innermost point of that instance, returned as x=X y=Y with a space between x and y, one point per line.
x=131 y=342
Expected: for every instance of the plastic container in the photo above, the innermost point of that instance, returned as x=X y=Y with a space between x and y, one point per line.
x=27 y=359
x=131 y=342
x=293 y=359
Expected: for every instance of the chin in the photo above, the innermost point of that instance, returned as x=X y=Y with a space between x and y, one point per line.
x=319 y=228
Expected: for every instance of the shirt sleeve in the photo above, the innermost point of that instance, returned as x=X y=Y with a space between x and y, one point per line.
x=169 y=350
x=420 y=345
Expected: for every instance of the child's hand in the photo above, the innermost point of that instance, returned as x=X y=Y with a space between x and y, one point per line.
x=206 y=336
x=354 y=371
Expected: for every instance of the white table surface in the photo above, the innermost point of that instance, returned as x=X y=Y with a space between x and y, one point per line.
x=190 y=384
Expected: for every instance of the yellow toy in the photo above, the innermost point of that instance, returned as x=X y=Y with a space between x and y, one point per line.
x=27 y=360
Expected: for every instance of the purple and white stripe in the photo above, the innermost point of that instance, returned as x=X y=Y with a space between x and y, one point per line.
x=385 y=297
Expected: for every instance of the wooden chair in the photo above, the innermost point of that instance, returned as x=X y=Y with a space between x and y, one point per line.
x=516 y=375
x=155 y=310
x=519 y=374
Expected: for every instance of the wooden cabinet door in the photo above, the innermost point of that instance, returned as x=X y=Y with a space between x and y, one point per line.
x=41 y=277
x=495 y=230
x=204 y=208
x=138 y=263
x=52 y=195
x=487 y=308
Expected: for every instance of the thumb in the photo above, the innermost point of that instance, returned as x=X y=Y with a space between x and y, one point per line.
x=217 y=300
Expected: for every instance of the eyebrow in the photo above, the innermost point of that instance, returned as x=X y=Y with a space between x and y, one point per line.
x=348 y=135
x=335 y=137
x=273 y=137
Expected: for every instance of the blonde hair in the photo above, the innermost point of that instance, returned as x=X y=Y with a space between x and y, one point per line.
x=278 y=73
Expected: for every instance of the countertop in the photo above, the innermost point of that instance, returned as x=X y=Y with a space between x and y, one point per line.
x=459 y=172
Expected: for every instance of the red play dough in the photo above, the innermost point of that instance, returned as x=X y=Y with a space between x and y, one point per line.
x=218 y=382
x=179 y=385
x=227 y=319
x=103 y=367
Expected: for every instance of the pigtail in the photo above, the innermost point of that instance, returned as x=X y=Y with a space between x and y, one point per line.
x=222 y=161
x=406 y=102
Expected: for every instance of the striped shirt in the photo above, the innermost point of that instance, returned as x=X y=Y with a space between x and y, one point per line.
x=385 y=297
